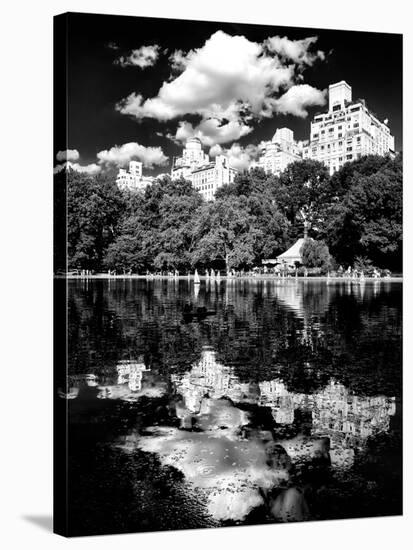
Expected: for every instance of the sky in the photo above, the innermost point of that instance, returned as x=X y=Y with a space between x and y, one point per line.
x=139 y=87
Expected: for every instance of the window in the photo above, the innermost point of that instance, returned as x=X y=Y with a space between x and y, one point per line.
x=340 y=135
x=336 y=107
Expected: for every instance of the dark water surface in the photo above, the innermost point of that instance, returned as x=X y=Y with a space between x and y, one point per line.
x=283 y=404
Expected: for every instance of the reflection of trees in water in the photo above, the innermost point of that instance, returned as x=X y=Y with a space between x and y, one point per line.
x=317 y=357
x=307 y=333
x=302 y=332
x=111 y=322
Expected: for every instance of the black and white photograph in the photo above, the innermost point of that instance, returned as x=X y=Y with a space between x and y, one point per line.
x=228 y=274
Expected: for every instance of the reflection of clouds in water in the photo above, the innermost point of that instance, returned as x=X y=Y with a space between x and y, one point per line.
x=347 y=419
x=229 y=469
x=231 y=505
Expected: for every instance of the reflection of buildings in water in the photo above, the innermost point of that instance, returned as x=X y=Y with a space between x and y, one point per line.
x=75 y=384
x=131 y=373
x=132 y=382
x=347 y=419
x=212 y=379
x=127 y=383
x=234 y=470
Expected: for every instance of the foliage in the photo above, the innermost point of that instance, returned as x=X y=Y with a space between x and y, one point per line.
x=355 y=212
x=367 y=221
x=302 y=193
x=316 y=254
x=94 y=208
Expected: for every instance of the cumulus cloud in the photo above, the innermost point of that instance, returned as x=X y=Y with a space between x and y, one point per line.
x=112 y=46
x=143 y=57
x=229 y=82
x=239 y=157
x=87 y=169
x=120 y=155
x=297 y=99
x=226 y=76
x=211 y=131
x=178 y=60
x=68 y=154
x=297 y=51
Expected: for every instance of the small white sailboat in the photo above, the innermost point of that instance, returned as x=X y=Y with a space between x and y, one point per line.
x=197 y=280
x=218 y=277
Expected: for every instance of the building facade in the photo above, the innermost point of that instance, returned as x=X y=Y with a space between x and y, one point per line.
x=347 y=131
x=192 y=158
x=206 y=176
x=133 y=179
x=278 y=153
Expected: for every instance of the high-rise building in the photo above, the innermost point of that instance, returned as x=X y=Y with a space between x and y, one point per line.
x=193 y=157
x=347 y=131
x=205 y=176
x=209 y=177
x=278 y=153
x=132 y=179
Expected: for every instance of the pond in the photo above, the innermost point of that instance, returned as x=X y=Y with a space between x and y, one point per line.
x=232 y=403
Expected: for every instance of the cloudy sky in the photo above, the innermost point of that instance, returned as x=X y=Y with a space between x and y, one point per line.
x=138 y=87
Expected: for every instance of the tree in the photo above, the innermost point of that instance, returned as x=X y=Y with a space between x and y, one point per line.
x=94 y=208
x=156 y=230
x=225 y=233
x=302 y=192
x=367 y=221
x=316 y=254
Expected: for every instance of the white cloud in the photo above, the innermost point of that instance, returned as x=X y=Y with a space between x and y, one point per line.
x=229 y=81
x=179 y=60
x=239 y=157
x=120 y=155
x=68 y=154
x=88 y=169
x=227 y=75
x=211 y=131
x=143 y=57
x=112 y=46
x=297 y=99
x=297 y=51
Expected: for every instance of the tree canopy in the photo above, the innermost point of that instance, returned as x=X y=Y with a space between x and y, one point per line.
x=357 y=212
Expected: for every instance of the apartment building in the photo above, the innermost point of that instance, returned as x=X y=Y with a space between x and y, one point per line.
x=133 y=179
x=347 y=131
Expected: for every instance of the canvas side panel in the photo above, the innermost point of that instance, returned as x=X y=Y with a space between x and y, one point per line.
x=60 y=427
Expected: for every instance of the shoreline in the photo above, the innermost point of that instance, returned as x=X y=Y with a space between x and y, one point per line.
x=104 y=276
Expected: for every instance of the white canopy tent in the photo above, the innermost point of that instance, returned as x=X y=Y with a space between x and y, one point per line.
x=290 y=256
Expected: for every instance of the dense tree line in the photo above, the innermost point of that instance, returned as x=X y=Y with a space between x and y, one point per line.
x=356 y=214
